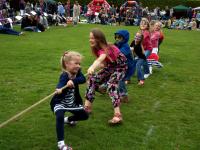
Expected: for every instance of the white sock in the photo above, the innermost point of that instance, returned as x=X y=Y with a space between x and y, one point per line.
x=61 y=144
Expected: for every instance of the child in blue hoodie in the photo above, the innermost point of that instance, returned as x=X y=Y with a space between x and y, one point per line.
x=121 y=41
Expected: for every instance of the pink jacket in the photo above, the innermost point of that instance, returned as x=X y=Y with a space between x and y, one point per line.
x=155 y=38
x=146 y=41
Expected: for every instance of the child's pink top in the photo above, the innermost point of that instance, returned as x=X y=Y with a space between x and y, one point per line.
x=146 y=41
x=155 y=38
x=112 y=54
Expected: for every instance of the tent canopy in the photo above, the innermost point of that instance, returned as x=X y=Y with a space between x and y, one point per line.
x=51 y=1
x=129 y=4
x=96 y=5
x=197 y=8
x=180 y=8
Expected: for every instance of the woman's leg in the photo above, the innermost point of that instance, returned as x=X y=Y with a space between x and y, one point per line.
x=94 y=82
x=113 y=85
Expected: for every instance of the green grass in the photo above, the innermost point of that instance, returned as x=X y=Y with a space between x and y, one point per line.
x=162 y=115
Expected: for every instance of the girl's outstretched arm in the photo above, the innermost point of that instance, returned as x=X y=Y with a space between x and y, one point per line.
x=96 y=64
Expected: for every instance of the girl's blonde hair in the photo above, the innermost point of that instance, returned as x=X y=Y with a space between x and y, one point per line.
x=145 y=21
x=68 y=56
x=159 y=23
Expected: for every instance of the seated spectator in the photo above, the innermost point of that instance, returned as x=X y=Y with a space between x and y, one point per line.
x=192 y=25
x=43 y=20
x=112 y=20
x=181 y=24
x=31 y=23
x=7 y=30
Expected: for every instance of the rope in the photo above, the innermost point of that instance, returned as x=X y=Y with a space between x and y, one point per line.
x=31 y=107
x=28 y=109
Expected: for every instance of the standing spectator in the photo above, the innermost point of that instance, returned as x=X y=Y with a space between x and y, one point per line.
x=189 y=14
x=28 y=7
x=139 y=14
x=192 y=24
x=22 y=6
x=76 y=12
x=68 y=8
x=118 y=15
x=61 y=9
x=112 y=10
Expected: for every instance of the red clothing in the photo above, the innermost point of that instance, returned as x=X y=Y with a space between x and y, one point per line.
x=113 y=53
x=155 y=36
x=161 y=37
x=146 y=41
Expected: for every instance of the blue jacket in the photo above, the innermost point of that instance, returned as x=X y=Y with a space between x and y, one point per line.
x=125 y=49
x=64 y=78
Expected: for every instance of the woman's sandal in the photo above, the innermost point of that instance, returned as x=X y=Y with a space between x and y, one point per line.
x=65 y=147
x=117 y=119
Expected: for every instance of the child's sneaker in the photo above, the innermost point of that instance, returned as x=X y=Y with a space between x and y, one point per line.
x=71 y=123
x=146 y=75
x=124 y=99
x=150 y=69
x=65 y=147
x=141 y=82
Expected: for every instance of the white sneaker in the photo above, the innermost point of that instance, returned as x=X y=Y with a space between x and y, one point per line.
x=150 y=69
x=71 y=123
x=146 y=76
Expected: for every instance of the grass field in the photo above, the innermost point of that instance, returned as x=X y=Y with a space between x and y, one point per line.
x=162 y=115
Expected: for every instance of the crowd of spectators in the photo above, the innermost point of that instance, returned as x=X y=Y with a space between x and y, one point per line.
x=132 y=16
x=38 y=16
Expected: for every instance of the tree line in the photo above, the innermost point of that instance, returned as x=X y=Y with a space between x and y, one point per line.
x=148 y=3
